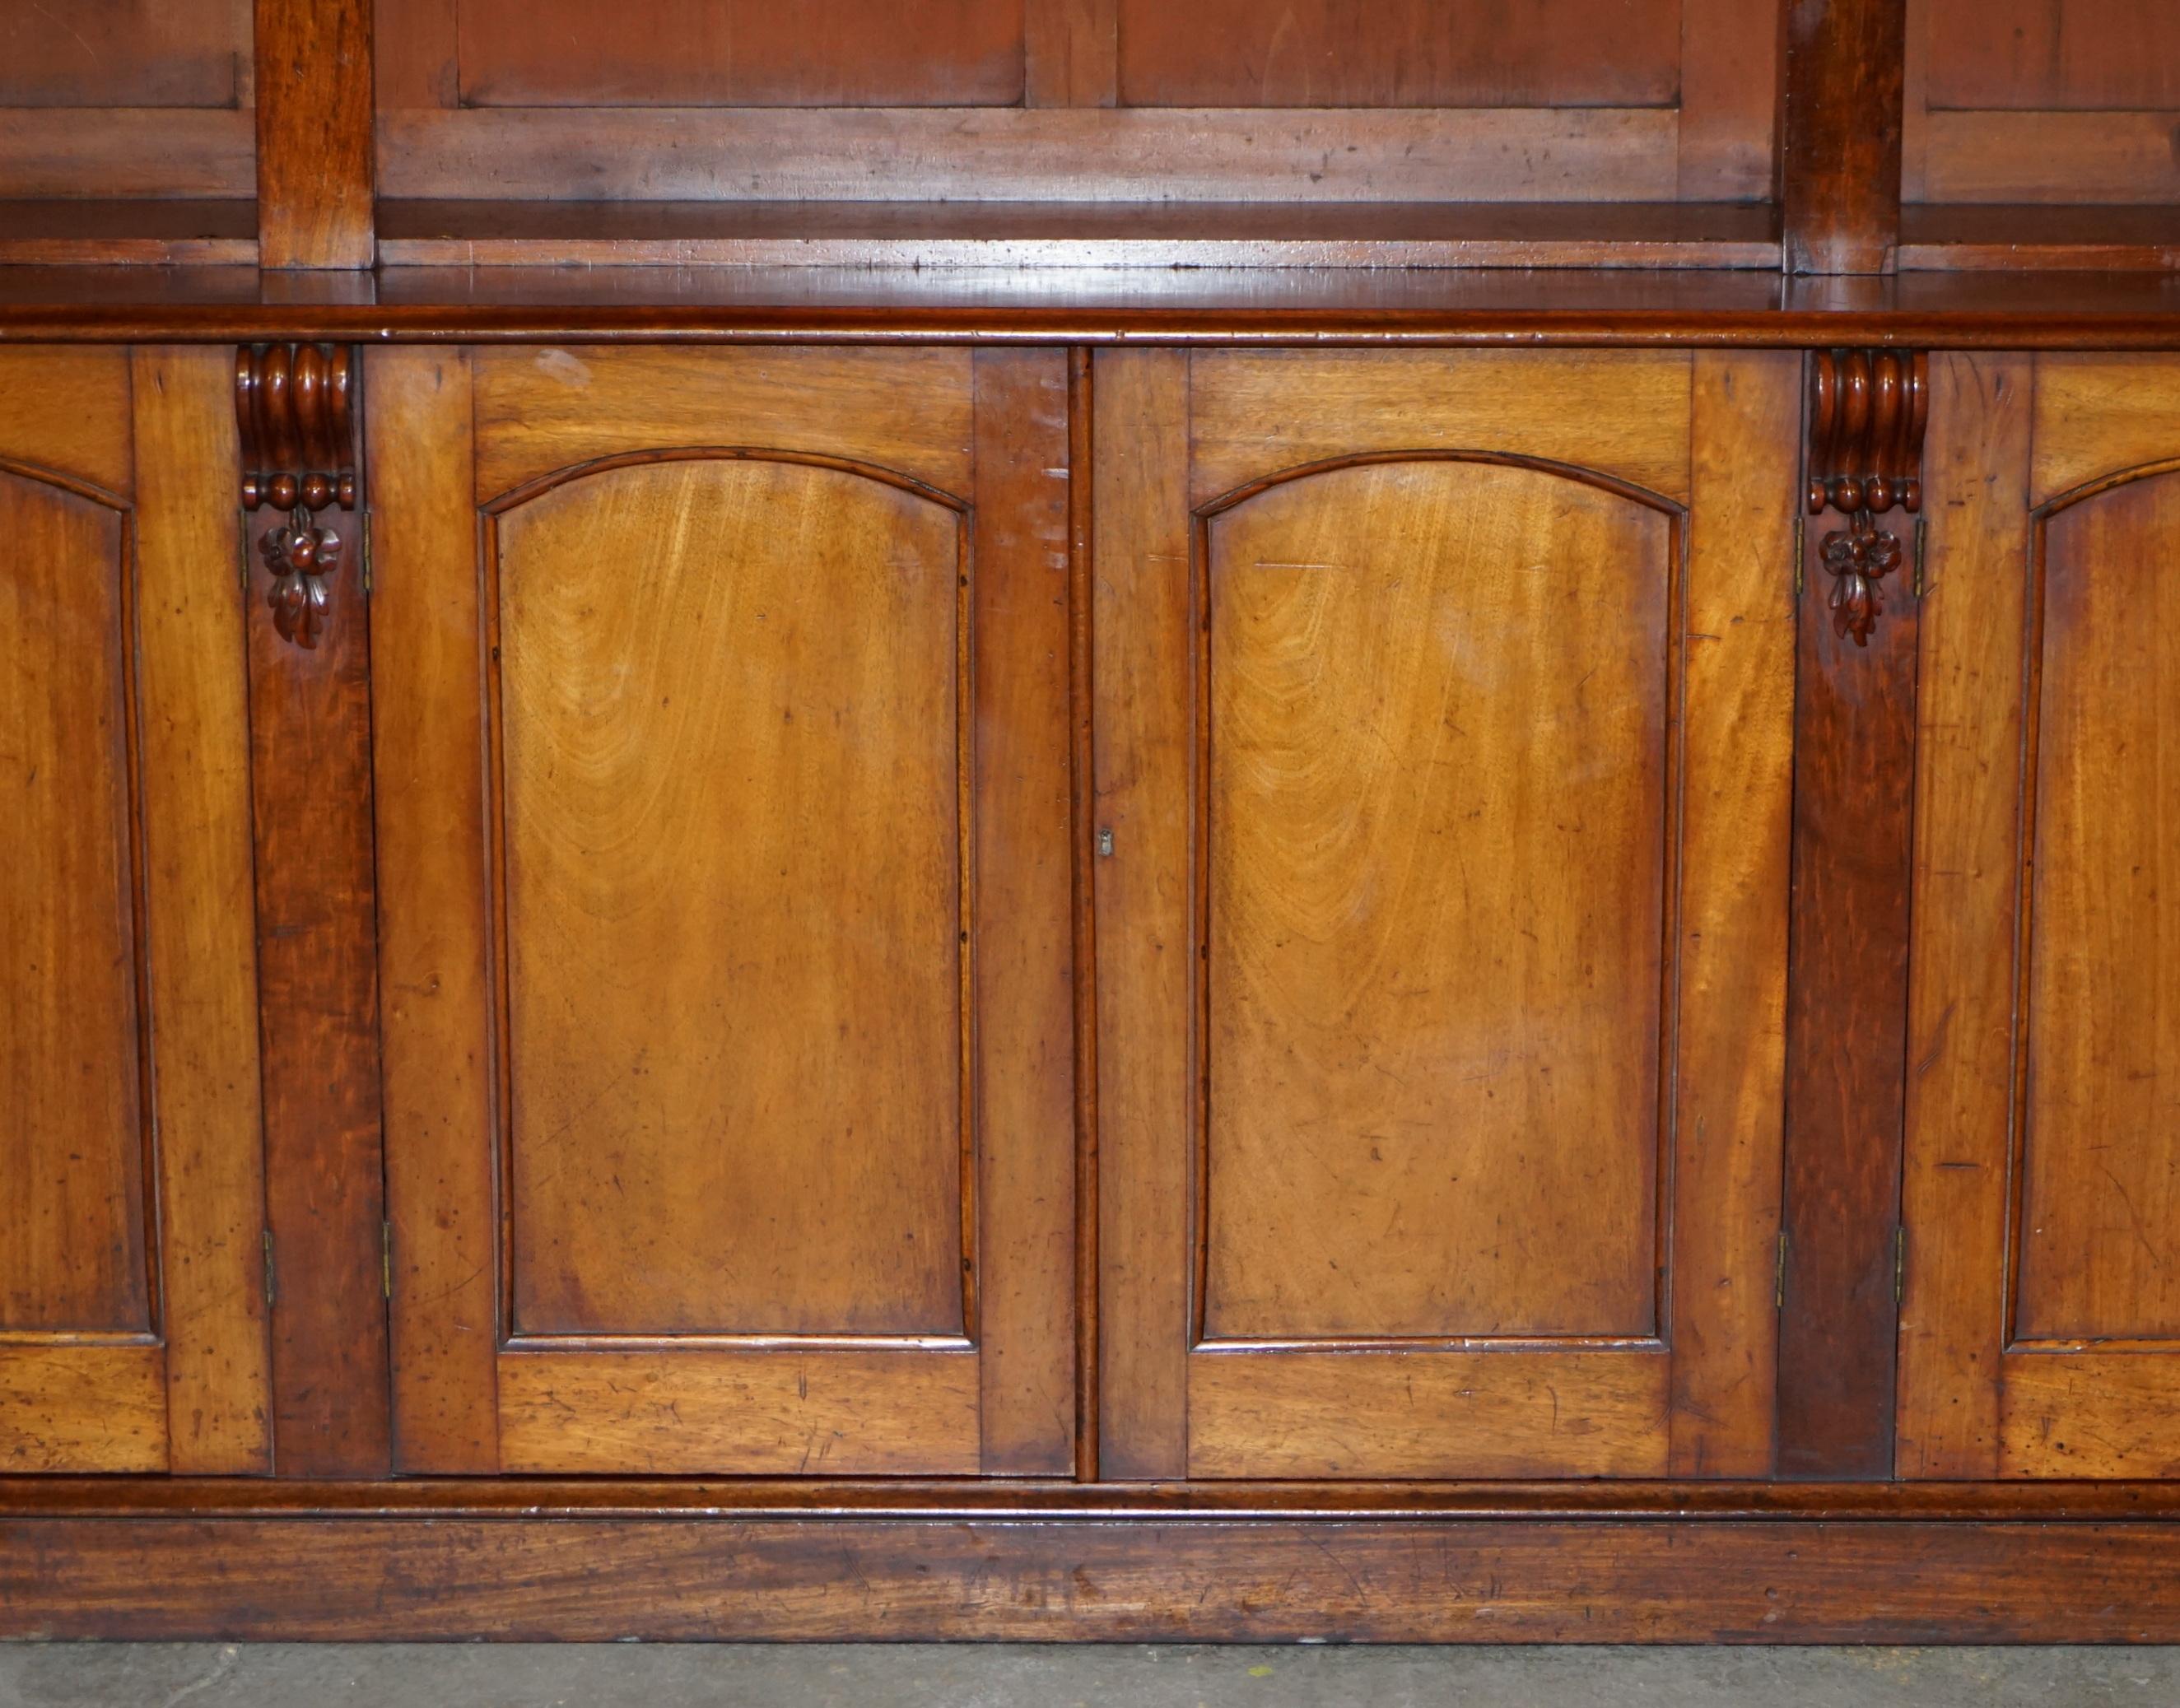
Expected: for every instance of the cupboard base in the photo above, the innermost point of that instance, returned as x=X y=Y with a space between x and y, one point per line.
x=442 y=1562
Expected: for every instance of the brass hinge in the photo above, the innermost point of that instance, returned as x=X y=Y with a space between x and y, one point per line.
x=363 y=527
x=1801 y=539
x=386 y=1258
x=1899 y=1264
x=1779 y=1275
x=272 y=1291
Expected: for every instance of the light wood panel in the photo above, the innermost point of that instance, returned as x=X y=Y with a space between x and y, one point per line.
x=73 y=1169
x=1435 y=706
x=202 y=977
x=2100 y=1206
x=1408 y=1118
x=781 y=1413
x=733 y=902
x=2038 y=1332
x=765 y=857
x=131 y=1200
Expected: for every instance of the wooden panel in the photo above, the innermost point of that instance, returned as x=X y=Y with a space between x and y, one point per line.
x=125 y=53
x=1957 y=1189
x=1731 y=60
x=81 y=1407
x=72 y=1171
x=90 y=440
x=2097 y=416
x=1147 y=1577
x=126 y=151
x=310 y=712
x=1497 y=1413
x=732 y=895
x=1621 y=415
x=1400 y=53
x=1023 y=958
x=1145 y=763
x=1070 y=51
x=427 y=736
x=315 y=151
x=1846 y=1035
x=1051 y=154
x=2050 y=157
x=2099 y=1206
x=201 y=979
x=740 y=53
x=838 y=1412
x=1735 y=799
x=2089 y=1415
x=1436 y=703
x=2059 y=54
x=540 y=410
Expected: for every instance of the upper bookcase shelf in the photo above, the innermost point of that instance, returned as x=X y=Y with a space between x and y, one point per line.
x=1401 y=133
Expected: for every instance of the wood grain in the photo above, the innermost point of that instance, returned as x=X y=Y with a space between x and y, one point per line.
x=2060 y=157
x=72 y=1073
x=428 y=774
x=2102 y=1046
x=201 y=977
x=1846 y=1030
x=1956 y=1190
x=543 y=411
x=1024 y=958
x=1421 y=1122
x=733 y=902
x=91 y=442
x=1428 y=1413
x=1732 y=88
x=319 y=1029
x=744 y=53
x=1840 y=172
x=82 y=1406
x=1622 y=417
x=744 y=1412
x=1416 y=53
x=2096 y=417
x=315 y=158
x=1735 y=826
x=1040 y=154
x=1070 y=51
x=126 y=151
x=1145 y=763
x=1688 y=1580
x=179 y=53
x=2053 y=54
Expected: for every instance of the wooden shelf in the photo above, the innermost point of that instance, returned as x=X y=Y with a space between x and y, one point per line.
x=137 y=232
x=1985 y=238
x=1045 y=234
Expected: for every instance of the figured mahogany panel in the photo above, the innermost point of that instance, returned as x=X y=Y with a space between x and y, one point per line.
x=1400 y=53
x=125 y=53
x=739 y=53
x=1424 y=847
x=72 y=1090
x=732 y=901
x=1437 y=764
x=2101 y=1207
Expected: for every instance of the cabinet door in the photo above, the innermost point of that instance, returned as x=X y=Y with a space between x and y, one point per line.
x=1444 y=709
x=721 y=729
x=2040 y=1323
x=132 y=1322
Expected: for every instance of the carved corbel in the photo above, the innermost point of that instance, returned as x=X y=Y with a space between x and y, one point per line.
x=294 y=406
x=1867 y=409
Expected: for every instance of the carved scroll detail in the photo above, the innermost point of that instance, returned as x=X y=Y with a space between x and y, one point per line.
x=1868 y=411
x=293 y=404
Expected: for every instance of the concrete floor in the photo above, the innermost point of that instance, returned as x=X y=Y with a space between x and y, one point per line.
x=969 y=1676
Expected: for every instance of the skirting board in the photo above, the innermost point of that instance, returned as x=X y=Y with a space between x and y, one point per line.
x=415 y=1574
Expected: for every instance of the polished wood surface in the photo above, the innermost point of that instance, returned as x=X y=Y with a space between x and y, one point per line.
x=1842 y=118
x=2037 y=1322
x=1338 y=1127
x=781 y=1015
x=315 y=156
x=130 y=1267
x=1406 y=1580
